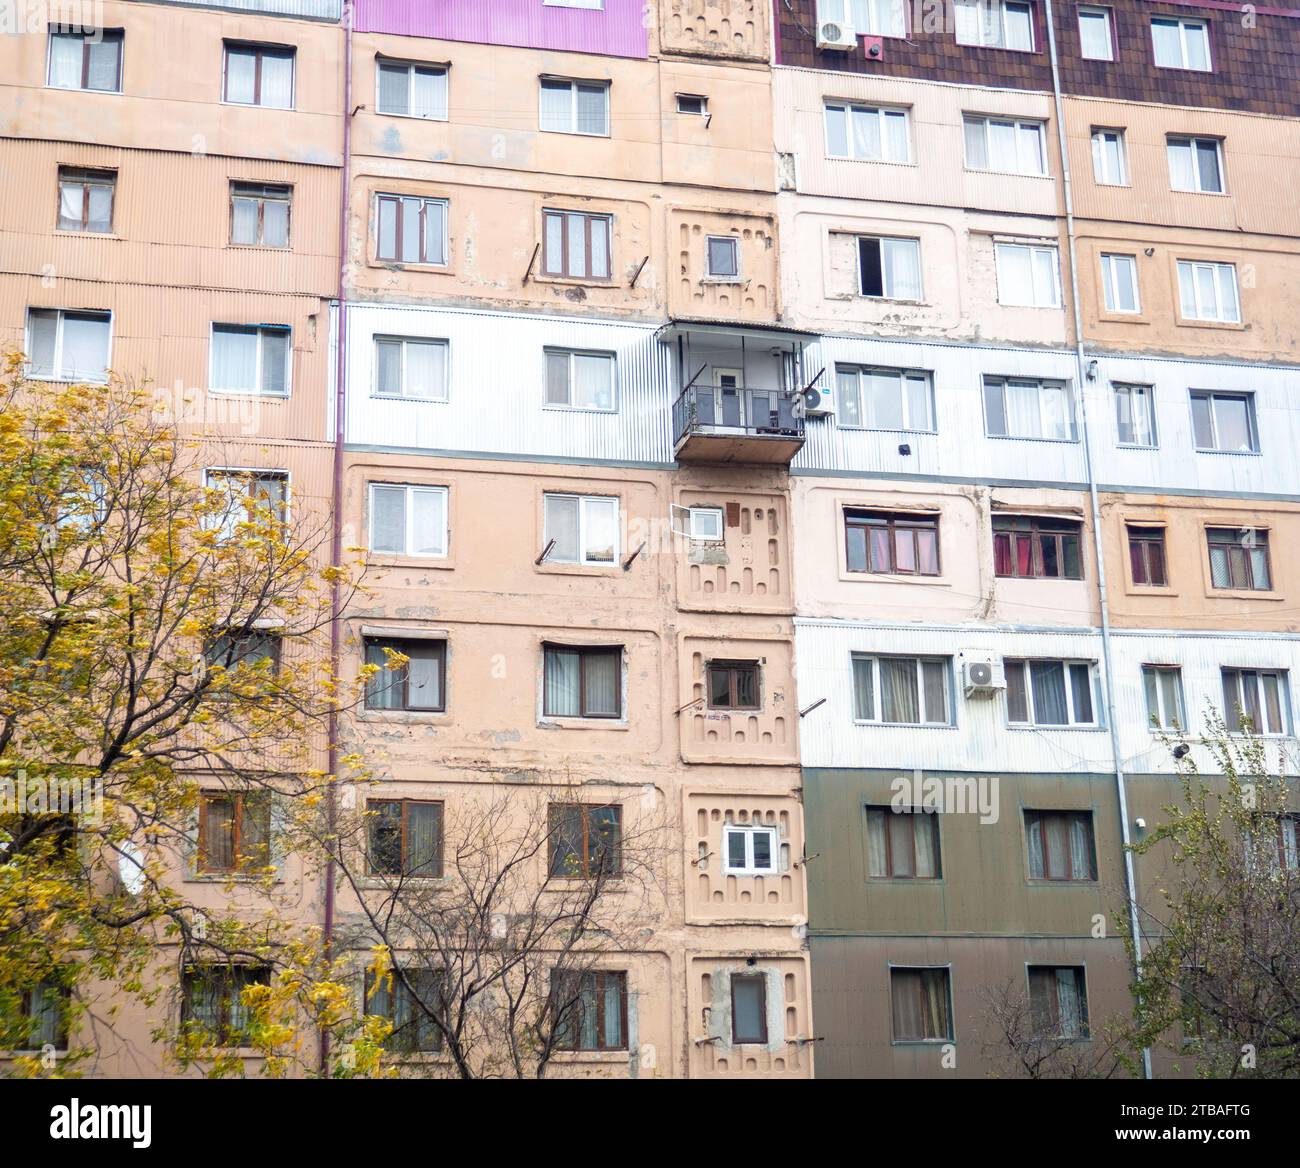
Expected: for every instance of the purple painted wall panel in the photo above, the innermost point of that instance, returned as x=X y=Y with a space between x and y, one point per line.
x=617 y=30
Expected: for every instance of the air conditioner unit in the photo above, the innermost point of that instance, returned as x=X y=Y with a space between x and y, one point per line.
x=835 y=37
x=817 y=401
x=982 y=674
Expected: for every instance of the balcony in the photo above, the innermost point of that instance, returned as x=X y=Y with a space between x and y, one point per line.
x=733 y=423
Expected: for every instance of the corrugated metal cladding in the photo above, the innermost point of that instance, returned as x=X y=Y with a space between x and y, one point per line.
x=331 y=10
x=496 y=387
x=980 y=740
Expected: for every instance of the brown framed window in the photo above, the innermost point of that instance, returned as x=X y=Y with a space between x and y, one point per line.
x=576 y=245
x=419 y=686
x=1061 y=845
x=212 y=998
x=1239 y=558
x=892 y=543
x=411 y=89
x=732 y=685
x=921 y=1003
x=44 y=1009
x=81 y=59
x=259 y=75
x=86 y=200
x=404 y=837
x=748 y=1009
x=410 y=1006
x=589 y=1009
x=259 y=214
x=902 y=845
x=1024 y=546
x=234 y=831
x=252 y=497
x=410 y=229
x=1256 y=699
x=1146 y=555
x=585 y=840
x=582 y=682
x=1058 y=1001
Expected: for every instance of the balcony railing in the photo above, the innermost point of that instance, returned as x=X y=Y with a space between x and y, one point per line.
x=736 y=424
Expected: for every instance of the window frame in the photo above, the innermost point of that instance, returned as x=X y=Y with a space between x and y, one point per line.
x=759 y=1038
x=1041 y=814
x=1001 y=382
x=932 y=818
x=411 y=68
x=1002 y=248
x=583 y=652
x=1111 y=263
x=260 y=50
x=261 y=331
x=425 y=201
x=886 y=292
x=1183 y=23
x=1018 y=125
x=1099 y=164
x=882 y=113
x=1027 y=686
x=693 y=511
x=871 y=519
x=1193 y=143
x=1282 y=679
x=749 y=831
x=1219 y=269
x=86 y=177
x=920 y=660
x=1142 y=544
x=1081 y=991
x=590 y=219
x=1230 y=539
x=58 y=373
x=1159 y=720
x=55 y=32
x=611 y=359
x=1108 y=16
x=404 y=858
x=405 y=1048
x=62 y=1020
x=1030 y=11
x=733 y=669
x=1212 y=397
x=599 y=995
x=409 y=516
x=921 y=970
x=263 y=197
x=583 y=560
x=234 y=978
x=225 y=478
x=440 y=343
x=437 y=648
x=1147 y=395
x=861 y=373
x=733 y=245
x=239 y=801
x=574 y=83
x=595 y=860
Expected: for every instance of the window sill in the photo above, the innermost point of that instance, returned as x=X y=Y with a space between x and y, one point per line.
x=1188 y=191
x=257 y=393
x=273 y=247
x=554 y=406
x=726 y=281
x=384 y=883
x=873 y=161
x=891 y=300
x=1019 y=438
x=576 y=281
x=440 y=563
x=403 y=717
x=1269 y=594
x=1181 y=68
x=278 y=109
x=75 y=234
x=922 y=1042
x=903 y=880
x=1232 y=326
x=222 y=878
x=904 y=725
x=1111 y=316
x=849 y=576
x=1150 y=590
x=574 y=133
x=85 y=89
x=547 y=567
x=1044 y=882
x=1073 y=728
x=553 y=723
x=411 y=265
x=1009 y=173
x=1230 y=453
x=885 y=430
x=419 y=401
x=591 y=1056
x=1136 y=446
x=410 y=117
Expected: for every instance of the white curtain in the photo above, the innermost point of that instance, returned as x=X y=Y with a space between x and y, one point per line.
x=426 y=365
x=885 y=407
x=85 y=347
x=394 y=89
x=430 y=93
x=429 y=522
x=241 y=76
x=593 y=381
x=1048 y=681
x=592 y=111
x=234 y=358
x=277 y=82
x=275 y=360
x=899 y=699
x=600 y=530
x=837 y=133
x=877 y=856
x=864 y=699
x=1034 y=832
x=866 y=134
x=556 y=105
x=562 y=526
x=902 y=259
x=1024 y=414
x=388 y=519
x=562 y=690
x=65 y=61
x=1080 y=848
x=601 y=683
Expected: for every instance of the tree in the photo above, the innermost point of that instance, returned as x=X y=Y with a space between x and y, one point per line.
x=1020 y=1045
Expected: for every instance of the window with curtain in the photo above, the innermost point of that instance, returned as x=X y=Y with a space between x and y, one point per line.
x=86 y=200
x=408 y=520
x=45 y=1009
x=589 y=1009
x=866 y=17
x=1195 y=164
x=212 y=1000
x=1109 y=158
x=1004 y=145
x=1224 y=422
x=748 y=1009
x=1239 y=558
x=732 y=685
x=411 y=368
x=892 y=543
x=867 y=133
x=234 y=831
x=902 y=845
x=579 y=380
x=1058 y=1002
x=884 y=399
x=750 y=849
x=574 y=107
x=889 y=269
x=1179 y=43
x=408 y=89
x=1032 y=547
x=259 y=214
x=1120 y=283
x=921 y=1004
x=404 y=837
x=1016 y=407
x=259 y=75
x=251 y=359
x=1146 y=555
x=418 y=685
x=411 y=230
x=1060 y=845
x=585 y=529
x=259 y=497
x=1163 y=685
x=582 y=682
x=68 y=346
x=1027 y=275
x=1256 y=700
x=995 y=24
x=586 y=840
x=904 y=690
x=1208 y=291
x=576 y=245
x=1050 y=693
x=1135 y=417
x=86 y=60
x=410 y=1001
x=1096 y=38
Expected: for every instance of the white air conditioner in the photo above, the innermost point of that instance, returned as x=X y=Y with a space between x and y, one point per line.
x=835 y=37
x=817 y=400
x=982 y=674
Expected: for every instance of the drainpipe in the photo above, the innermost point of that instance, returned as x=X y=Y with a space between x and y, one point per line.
x=1081 y=379
x=336 y=497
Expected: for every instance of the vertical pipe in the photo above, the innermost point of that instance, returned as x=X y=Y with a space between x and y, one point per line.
x=1081 y=379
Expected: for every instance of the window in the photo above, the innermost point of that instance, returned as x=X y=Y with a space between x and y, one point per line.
x=576 y=245
x=589 y=1009
x=582 y=682
x=869 y=133
x=413 y=368
x=921 y=1005
x=252 y=496
x=693 y=103
x=889 y=268
x=866 y=17
x=1013 y=147
x=1119 y=280
x=1058 y=1002
x=411 y=230
x=722 y=257
x=212 y=1000
x=1239 y=558
x=44 y=1009
x=86 y=200
x=884 y=399
x=234 y=831
x=1096 y=40
x=1163 y=685
x=1180 y=43
x=1028 y=546
x=584 y=529
x=574 y=107
x=1256 y=699
x=1146 y=555
x=732 y=685
x=1109 y=158
x=1288 y=842
x=244 y=649
x=895 y=543
x=1061 y=845
x=1049 y=693
x=67 y=346
x=902 y=845
x=585 y=840
x=420 y=684
x=1027 y=276
x=1208 y=291
x=1224 y=421
x=748 y=850
x=1135 y=418
x=1018 y=408
x=250 y=359
x=748 y=1009
x=909 y=691
x=259 y=75
x=259 y=214
x=411 y=90
x=580 y=381
x=996 y=24
x=408 y=1001
x=408 y=521
x=1196 y=164
x=86 y=59
x=705 y=524
x=404 y=837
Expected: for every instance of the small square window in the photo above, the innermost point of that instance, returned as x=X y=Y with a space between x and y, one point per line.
x=576 y=245
x=86 y=200
x=1239 y=559
x=589 y=1009
x=258 y=74
x=1119 y=281
x=404 y=837
x=921 y=1001
x=705 y=524
x=1257 y=700
x=89 y=59
x=581 y=529
x=1096 y=34
x=1180 y=43
x=574 y=107
x=411 y=230
x=889 y=269
x=259 y=214
x=406 y=1002
x=234 y=831
x=749 y=850
x=419 y=685
x=251 y=359
x=1196 y=164
x=212 y=1000
x=1146 y=553
x=1135 y=415
x=411 y=368
x=1224 y=422
x=1058 y=1002
x=408 y=520
x=1061 y=845
x=692 y=103
x=1208 y=291
x=582 y=682
x=68 y=346
x=408 y=89
x=1163 y=685
x=585 y=840
x=732 y=685
x=723 y=257
x=1109 y=158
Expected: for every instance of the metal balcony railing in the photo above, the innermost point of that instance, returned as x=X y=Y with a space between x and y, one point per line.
x=736 y=411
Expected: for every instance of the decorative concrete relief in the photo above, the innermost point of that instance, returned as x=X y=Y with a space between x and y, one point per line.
x=742 y=868
x=714 y=28
x=750 y=1017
